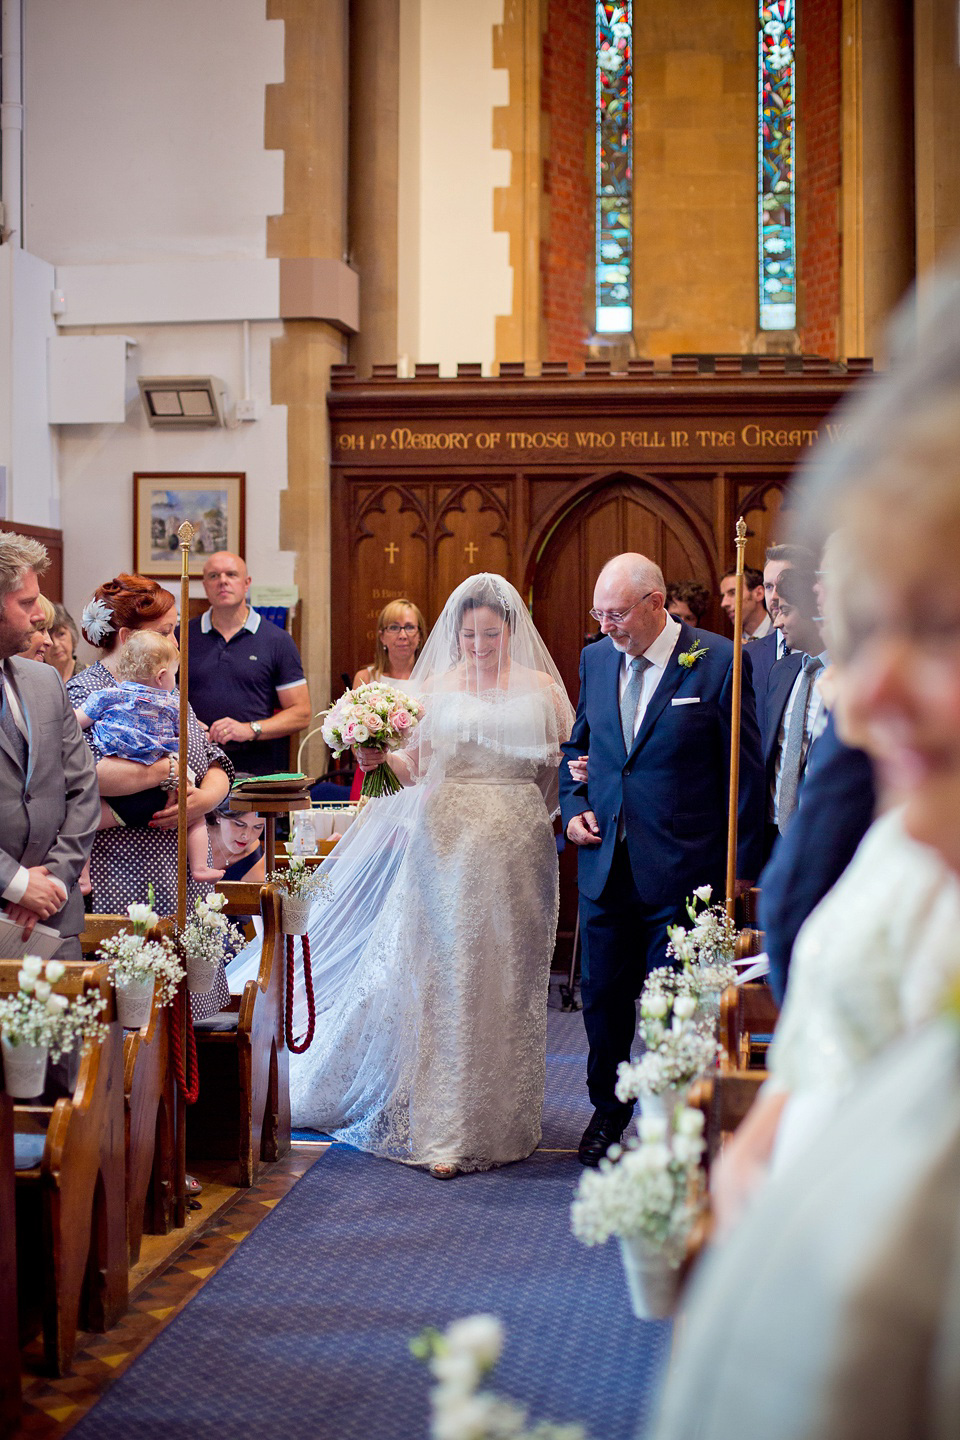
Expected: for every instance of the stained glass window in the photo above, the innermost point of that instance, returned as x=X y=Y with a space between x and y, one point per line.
x=614 y=167
x=777 y=232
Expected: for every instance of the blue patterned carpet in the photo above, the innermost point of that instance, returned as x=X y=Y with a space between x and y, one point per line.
x=305 y=1329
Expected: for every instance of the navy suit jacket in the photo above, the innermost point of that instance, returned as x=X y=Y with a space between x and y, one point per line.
x=835 y=805
x=779 y=685
x=763 y=657
x=672 y=785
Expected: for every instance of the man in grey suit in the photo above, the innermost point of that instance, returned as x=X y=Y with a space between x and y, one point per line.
x=49 y=801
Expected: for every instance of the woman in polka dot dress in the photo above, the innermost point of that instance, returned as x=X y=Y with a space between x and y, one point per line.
x=126 y=859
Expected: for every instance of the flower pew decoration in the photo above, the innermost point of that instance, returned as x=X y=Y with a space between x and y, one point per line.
x=141 y=968
x=459 y=1359
x=661 y=1078
x=649 y=1193
x=37 y=1025
x=706 y=950
x=205 y=940
x=299 y=885
x=377 y=716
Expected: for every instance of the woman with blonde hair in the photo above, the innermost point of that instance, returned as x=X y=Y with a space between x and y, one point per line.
x=41 y=639
x=401 y=631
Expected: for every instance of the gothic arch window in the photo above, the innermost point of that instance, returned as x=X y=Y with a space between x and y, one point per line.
x=777 y=256
x=614 y=168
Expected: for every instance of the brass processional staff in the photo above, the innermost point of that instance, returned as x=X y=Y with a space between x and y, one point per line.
x=741 y=542
x=185 y=535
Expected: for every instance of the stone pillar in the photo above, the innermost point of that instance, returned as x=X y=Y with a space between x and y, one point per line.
x=306 y=117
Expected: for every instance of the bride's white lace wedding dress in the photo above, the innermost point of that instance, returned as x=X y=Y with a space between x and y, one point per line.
x=433 y=1050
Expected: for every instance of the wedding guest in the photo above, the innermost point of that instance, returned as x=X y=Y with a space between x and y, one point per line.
x=40 y=640
x=859 y=1233
x=650 y=822
x=236 y=841
x=65 y=636
x=126 y=859
x=793 y=700
x=687 y=600
x=754 y=620
x=246 y=679
x=765 y=653
x=401 y=631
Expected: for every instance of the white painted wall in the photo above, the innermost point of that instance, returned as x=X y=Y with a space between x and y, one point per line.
x=454 y=270
x=27 y=446
x=144 y=129
x=97 y=462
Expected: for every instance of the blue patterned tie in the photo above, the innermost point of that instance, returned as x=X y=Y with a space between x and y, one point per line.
x=630 y=698
x=12 y=731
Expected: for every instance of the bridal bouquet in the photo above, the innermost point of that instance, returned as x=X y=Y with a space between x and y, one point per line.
x=459 y=1359
x=379 y=717
x=650 y=1190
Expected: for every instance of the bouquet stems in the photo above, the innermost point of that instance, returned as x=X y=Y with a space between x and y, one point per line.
x=381 y=781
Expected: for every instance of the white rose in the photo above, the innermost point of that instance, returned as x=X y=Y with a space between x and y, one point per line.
x=360 y=734
x=703 y=892
x=689 y=1121
x=684 y=1006
x=56 y=1004
x=32 y=964
x=42 y=989
x=652 y=1128
x=656 y=1006
x=55 y=971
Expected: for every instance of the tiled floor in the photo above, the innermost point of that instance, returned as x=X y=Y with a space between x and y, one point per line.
x=51 y=1407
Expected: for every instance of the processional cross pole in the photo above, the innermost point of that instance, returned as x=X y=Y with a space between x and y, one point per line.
x=732 y=812
x=185 y=535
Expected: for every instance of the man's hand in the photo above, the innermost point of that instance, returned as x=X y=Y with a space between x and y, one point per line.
x=43 y=897
x=166 y=819
x=584 y=830
x=229 y=731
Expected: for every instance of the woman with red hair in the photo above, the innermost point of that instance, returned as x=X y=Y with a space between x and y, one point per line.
x=126 y=859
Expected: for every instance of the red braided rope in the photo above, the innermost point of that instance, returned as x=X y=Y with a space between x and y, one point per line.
x=182 y=1010
x=297 y=1047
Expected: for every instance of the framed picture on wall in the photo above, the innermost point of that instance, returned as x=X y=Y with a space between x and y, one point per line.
x=213 y=502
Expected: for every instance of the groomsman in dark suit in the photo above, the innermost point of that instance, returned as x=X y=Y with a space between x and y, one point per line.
x=793 y=700
x=650 y=820
x=772 y=647
x=49 y=801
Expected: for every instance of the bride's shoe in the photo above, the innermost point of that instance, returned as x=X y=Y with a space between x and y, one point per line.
x=444 y=1172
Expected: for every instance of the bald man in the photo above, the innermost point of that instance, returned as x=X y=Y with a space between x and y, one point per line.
x=246 y=681
x=650 y=819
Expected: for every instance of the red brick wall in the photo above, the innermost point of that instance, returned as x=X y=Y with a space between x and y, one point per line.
x=818 y=176
x=567 y=251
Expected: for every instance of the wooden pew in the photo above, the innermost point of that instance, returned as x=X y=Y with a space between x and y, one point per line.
x=9 y=1338
x=243 y=1110
x=748 y=1017
x=71 y=1215
x=149 y=1104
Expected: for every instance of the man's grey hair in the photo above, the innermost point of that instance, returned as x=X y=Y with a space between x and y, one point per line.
x=641 y=572
x=18 y=554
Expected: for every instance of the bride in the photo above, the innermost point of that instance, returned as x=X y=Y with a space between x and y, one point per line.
x=431 y=960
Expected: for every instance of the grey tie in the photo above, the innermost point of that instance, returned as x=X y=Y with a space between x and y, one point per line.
x=10 y=728
x=630 y=698
x=791 y=768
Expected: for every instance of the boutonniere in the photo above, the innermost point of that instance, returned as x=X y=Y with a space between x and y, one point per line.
x=690 y=657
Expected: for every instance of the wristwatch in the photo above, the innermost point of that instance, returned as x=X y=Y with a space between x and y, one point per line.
x=256 y=727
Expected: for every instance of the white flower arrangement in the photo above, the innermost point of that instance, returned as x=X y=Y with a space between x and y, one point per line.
x=209 y=935
x=459 y=1359
x=37 y=1015
x=651 y=1188
x=683 y=1053
x=377 y=716
x=96 y=621
x=300 y=880
x=133 y=959
x=706 y=951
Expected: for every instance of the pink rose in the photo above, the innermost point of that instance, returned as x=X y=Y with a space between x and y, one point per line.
x=401 y=719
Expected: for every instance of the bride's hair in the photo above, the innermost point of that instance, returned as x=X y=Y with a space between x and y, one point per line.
x=483 y=602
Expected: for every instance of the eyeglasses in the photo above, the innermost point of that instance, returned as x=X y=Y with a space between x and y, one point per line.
x=617 y=617
x=401 y=629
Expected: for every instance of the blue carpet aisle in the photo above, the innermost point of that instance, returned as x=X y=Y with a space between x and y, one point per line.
x=305 y=1329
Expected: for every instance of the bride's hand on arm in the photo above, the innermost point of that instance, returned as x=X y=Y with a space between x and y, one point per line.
x=745 y=1159
x=578 y=770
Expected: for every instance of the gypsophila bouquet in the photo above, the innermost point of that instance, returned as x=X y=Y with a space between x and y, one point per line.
x=377 y=716
x=650 y=1188
x=301 y=880
x=666 y=994
x=207 y=937
x=37 y=1015
x=686 y=1050
x=706 y=950
x=459 y=1359
x=133 y=959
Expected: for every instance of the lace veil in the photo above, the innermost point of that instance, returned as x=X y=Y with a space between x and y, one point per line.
x=494 y=704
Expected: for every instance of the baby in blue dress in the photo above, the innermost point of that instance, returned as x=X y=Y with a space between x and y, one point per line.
x=139 y=720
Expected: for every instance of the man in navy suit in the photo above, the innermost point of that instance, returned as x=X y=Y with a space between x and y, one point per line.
x=650 y=821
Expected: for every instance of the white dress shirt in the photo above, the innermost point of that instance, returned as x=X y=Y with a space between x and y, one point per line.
x=764 y=628
x=658 y=655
